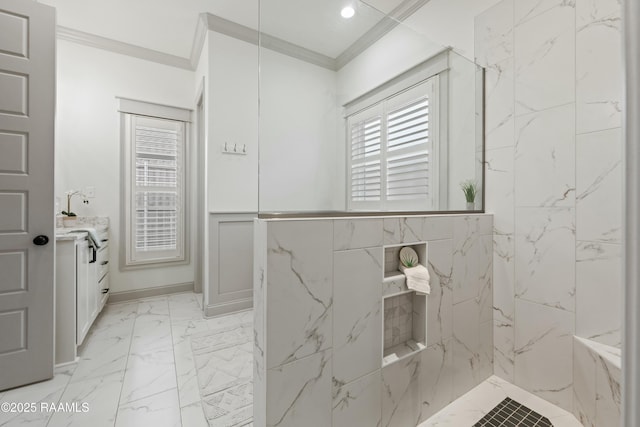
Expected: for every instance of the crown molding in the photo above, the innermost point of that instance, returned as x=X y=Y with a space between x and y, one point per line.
x=208 y=22
x=220 y=25
x=386 y=25
x=92 y=40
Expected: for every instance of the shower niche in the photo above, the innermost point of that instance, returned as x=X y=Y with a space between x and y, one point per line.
x=404 y=310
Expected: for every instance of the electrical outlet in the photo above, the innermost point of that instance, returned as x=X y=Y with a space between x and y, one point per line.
x=90 y=192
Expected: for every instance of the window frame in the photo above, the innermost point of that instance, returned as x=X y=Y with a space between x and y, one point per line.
x=434 y=68
x=130 y=258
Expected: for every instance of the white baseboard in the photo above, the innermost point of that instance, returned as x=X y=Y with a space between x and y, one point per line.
x=149 y=292
x=228 y=307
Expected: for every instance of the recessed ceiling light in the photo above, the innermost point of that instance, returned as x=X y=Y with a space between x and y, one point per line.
x=347 y=12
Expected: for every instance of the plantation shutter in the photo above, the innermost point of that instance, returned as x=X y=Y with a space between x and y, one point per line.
x=408 y=162
x=158 y=147
x=365 y=134
x=391 y=151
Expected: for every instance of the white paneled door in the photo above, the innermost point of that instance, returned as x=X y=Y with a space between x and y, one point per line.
x=27 y=102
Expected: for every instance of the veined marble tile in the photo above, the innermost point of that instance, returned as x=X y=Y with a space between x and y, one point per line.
x=472 y=260
x=46 y=392
x=437 y=228
x=436 y=378
x=599 y=74
x=101 y=394
x=584 y=384
x=219 y=368
x=599 y=292
x=500 y=184
x=494 y=34
x=356 y=233
x=440 y=301
x=153 y=306
x=599 y=186
x=527 y=9
x=504 y=278
x=544 y=351
x=184 y=307
x=104 y=353
x=299 y=276
x=416 y=229
x=545 y=158
x=238 y=318
x=299 y=393
x=186 y=374
x=259 y=322
x=359 y=402
x=403 y=230
x=545 y=57
x=401 y=401
x=193 y=416
x=148 y=373
x=150 y=332
x=588 y=11
x=503 y=350
x=183 y=329
x=608 y=393
x=545 y=261
x=357 y=300
x=162 y=409
x=472 y=347
x=499 y=105
x=119 y=315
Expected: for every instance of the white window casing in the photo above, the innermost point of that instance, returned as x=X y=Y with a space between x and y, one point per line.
x=392 y=157
x=154 y=196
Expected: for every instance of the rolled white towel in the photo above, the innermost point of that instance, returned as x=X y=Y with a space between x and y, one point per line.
x=417 y=278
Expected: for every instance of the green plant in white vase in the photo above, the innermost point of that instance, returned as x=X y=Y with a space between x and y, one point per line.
x=470 y=190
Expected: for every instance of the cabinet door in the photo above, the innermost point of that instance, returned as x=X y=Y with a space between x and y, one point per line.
x=83 y=312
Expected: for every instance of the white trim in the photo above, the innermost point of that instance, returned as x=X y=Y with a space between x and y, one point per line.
x=99 y=42
x=152 y=109
x=429 y=68
x=155 y=291
x=210 y=22
x=383 y=27
x=229 y=28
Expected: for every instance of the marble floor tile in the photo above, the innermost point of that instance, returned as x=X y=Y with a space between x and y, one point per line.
x=44 y=393
x=158 y=410
x=101 y=394
x=472 y=406
x=193 y=415
x=148 y=373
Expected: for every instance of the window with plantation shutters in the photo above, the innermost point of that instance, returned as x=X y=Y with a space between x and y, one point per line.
x=391 y=159
x=155 y=189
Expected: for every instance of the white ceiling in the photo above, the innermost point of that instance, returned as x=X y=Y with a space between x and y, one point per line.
x=169 y=25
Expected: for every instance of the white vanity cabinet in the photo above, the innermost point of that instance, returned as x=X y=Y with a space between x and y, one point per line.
x=82 y=286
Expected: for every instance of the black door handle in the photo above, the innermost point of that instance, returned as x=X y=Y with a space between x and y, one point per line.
x=40 y=240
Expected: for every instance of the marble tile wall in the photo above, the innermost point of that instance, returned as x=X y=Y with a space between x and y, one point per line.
x=318 y=298
x=597 y=375
x=553 y=180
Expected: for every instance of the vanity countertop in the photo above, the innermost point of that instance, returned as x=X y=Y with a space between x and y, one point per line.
x=64 y=234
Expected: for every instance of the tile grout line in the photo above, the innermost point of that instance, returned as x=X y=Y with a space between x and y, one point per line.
x=133 y=327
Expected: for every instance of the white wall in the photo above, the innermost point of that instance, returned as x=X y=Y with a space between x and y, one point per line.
x=298 y=136
x=233 y=118
x=88 y=137
x=462 y=129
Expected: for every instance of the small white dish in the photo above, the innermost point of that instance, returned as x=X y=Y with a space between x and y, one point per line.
x=408 y=257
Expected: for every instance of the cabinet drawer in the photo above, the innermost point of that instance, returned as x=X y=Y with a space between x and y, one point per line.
x=102 y=261
x=103 y=291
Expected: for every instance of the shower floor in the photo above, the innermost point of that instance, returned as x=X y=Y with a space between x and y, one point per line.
x=474 y=405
